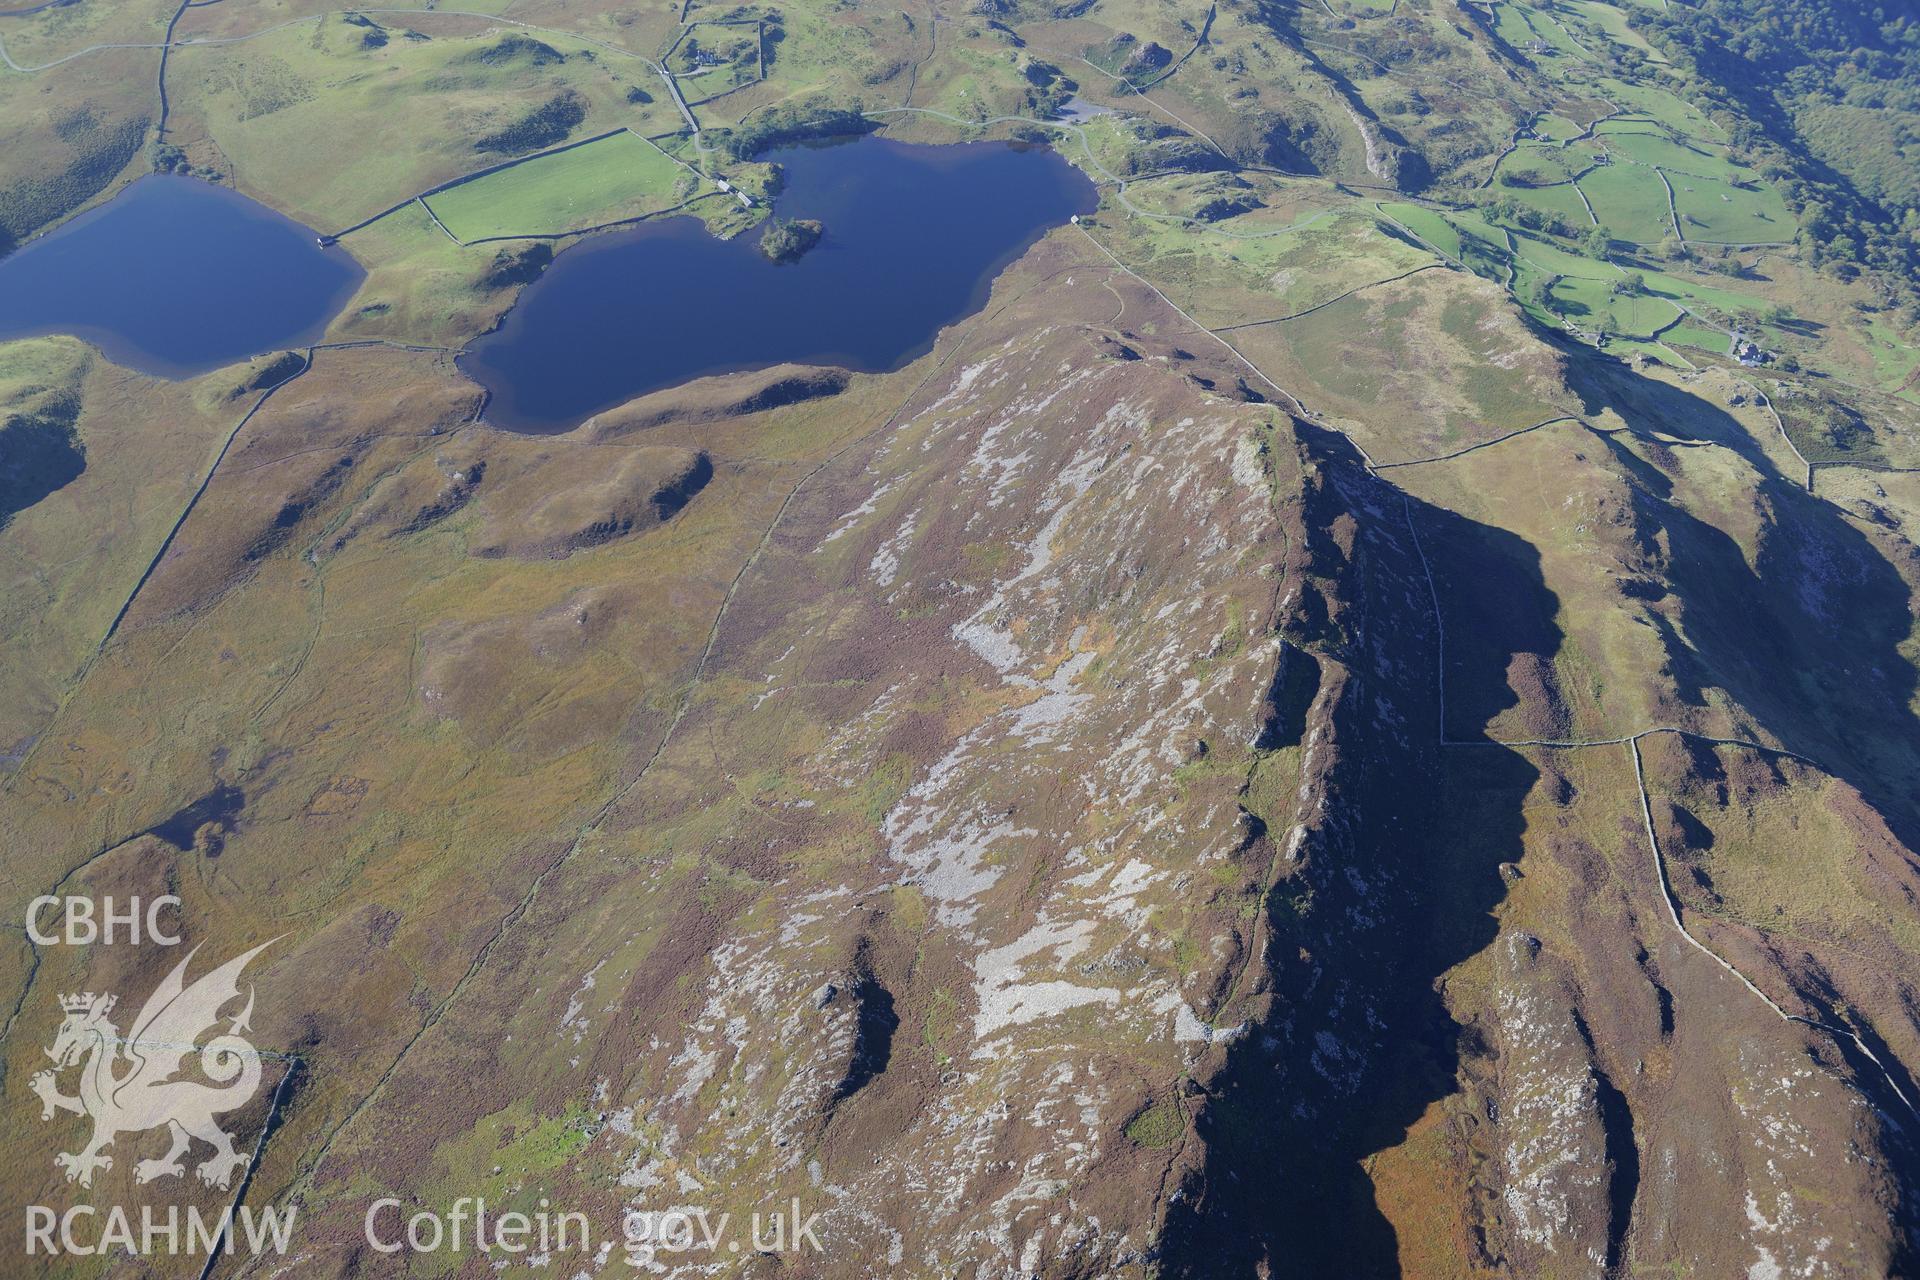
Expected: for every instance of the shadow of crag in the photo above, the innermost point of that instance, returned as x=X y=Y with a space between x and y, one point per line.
x=1393 y=874
x=40 y=454
x=1806 y=632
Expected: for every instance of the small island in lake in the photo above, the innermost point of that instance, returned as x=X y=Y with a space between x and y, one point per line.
x=786 y=239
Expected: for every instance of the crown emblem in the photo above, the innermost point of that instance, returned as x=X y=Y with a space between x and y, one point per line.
x=85 y=1001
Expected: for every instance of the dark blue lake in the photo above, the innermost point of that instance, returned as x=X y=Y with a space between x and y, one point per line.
x=914 y=237
x=174 y=277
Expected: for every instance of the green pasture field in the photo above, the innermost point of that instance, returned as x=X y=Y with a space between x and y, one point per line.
x=1582 y=286
x=1689 y=334
x=1676 y=357
x=623 y=176
x=1556 y=127
x=1630 y=201
x=1544 y=255
x=1430 y=226
x=1470 y=239
x=1895 y=360
x=1485 y=247
x=1713 y=306
x=1703 y=296
x=1586 y=302
x=1613 y=21
x=1549 y=162
x=1646 y=145
x=1511 y=25
x=1231 y=279
x=1559 y=200
x=1553 y=27
x=1721 y=213
x=1521 y=25
x=1659 y=105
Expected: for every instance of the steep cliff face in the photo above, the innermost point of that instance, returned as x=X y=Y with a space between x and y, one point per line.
x=1373 y=899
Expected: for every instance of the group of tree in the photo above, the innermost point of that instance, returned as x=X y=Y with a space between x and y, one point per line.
x=1507 y=209
x=796 y=122
x=1769 y=69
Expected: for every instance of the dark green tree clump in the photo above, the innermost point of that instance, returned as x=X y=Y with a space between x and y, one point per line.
x=798 y=122
x=546 y=125
x=786 y=239
x=518 y=49
x=518 y=266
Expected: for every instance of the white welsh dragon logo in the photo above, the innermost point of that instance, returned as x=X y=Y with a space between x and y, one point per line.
x=127 y=1084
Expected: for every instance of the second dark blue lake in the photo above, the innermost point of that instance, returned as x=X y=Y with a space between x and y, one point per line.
x=914 y=237
x=174 y=276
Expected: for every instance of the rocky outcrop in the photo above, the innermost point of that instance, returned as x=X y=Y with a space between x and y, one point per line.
x=712 y=399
